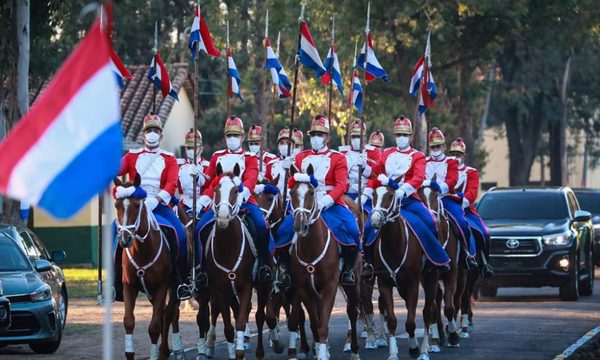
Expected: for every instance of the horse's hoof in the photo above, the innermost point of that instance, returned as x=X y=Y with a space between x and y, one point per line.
x=247 y=346
x=302 y=356
x=424 y=356
x=453 y=340
x=354 y=356
x=465 y=334
x=414 y=353
x=381 y=343
x=201 y=357
x=129 y=356
x=239 y=354
x=347 y=347
x=277 y=347
x=393 y=357
x=435 y=349
x=179 y=355
x=471 y=327
x=370 y=345
x=210 y=352
x=364 y=334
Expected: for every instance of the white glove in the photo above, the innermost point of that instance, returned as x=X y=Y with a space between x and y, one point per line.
x=151 y=203
x=399 y=194
x=465 y=203
x=195 y=170
x=204 y=201
x=246 y=194
x=426 y=182
x=258 y=189
x=325 y=202
x=123 y=192
x=261 y=177
x=287 y=162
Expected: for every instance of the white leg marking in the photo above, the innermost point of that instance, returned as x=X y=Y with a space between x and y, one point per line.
x=129 y=343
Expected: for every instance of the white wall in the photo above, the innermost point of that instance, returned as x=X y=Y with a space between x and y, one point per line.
x=179 y=122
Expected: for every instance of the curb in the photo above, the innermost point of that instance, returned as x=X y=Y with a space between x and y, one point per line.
x=571 y=349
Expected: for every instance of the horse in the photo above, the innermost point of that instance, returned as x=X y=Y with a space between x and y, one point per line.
x=273 y=208
x=454 y=280
x=398 y=262
x=469 y=292
x=147 y=268
x=315 y=268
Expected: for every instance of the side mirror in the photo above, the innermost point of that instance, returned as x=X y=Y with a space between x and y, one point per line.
x=58 y=255
x=42 y=265
x=582 y=216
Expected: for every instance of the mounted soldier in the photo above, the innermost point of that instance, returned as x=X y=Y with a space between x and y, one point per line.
x=188 y=171
x=247 y=162
x=468 y=185
x=275 y=168
x=331 y=173
x=374 y=148
x=442 y=174
x=356 y=159
x=255 y=138
x=406 y=165
x=158 y=171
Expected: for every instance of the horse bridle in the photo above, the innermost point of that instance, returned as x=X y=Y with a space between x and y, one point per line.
x=390 y=213
x=313 y=213
x=132 y=229
x=234 y=209
x=267 y=212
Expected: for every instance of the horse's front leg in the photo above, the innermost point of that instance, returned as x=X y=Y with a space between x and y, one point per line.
x=430 y=283
x=129 y=296
x=412 y=297
x=241 y=320
x=352 y=294
x=203 y=322
x=386 y=294
x=156 y=322
x=260 y=321
x=325 y=308
x=171 y=317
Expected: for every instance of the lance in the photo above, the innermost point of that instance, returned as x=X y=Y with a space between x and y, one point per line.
x=426 y=66
x=330 y=70
x=195 y=182
x=262 y=123
x=296 y=66
x=227 y=74
x=155 y=51
x=363 y=118
x=350 y=94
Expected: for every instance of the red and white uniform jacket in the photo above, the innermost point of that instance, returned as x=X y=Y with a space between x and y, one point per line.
x=248 y=163
x=468 y=184
x=158 y=170
x=444 y=172
x=331 y=171
x=185 y=184
x=406 y=166
x=353 y=160
x=274 y=170
x=373 y=154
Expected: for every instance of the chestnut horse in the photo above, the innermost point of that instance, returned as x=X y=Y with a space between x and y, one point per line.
x=453 y=280
x=398 y=262
x=315 y=268
x=472 y=277
x=147 y=268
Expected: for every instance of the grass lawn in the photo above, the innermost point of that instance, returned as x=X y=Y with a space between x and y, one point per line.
x=82 y=283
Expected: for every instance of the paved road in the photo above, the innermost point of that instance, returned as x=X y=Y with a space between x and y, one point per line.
x=518 y=324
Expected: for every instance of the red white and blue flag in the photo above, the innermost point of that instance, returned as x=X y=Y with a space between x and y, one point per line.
x=356 y=92
x=120 y=71
x=309 y=55
x=278 y=75
x=332 y=65
x=374 y=68
x=160 y=77
x=422 y=75
x=68 y=147
x=234 y=76
x=200 y=38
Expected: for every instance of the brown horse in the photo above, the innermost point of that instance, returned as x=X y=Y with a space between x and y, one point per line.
x=454 y=280
x=472 y=277
x=315 y=268
x=146 y=268
x=398 y=261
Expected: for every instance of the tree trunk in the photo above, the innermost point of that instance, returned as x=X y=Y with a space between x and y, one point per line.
x=554 y=130
x=465 y=122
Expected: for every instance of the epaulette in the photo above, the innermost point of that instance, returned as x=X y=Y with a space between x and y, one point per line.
x=219 y=151
x=136 y=151
x=168 y=153
x=180 y=161
x=369 y=147
x=250 y=153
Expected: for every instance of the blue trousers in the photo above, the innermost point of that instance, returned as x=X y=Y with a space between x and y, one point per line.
x=455 y=210
x=369 y=233
x=476 y=222
x=264 y=241
x=339 y=219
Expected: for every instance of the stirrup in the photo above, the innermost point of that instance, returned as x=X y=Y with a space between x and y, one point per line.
x=368 y=271
x=201 y=280
x=184 y=292
x=265 y=274
x=487 y=271
x=348 y=278
x=472 y=263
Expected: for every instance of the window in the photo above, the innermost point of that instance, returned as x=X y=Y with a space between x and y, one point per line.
x=573 y=206
x=523 y=205
x=28 y=245
x=11 y=257
x=38 y=244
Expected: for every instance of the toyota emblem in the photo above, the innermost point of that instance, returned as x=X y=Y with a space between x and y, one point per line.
x=512 y=243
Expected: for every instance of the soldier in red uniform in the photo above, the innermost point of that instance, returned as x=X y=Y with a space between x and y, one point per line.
x=374 y=148
x=442 y=174
x=188 y=171
x=255 y=137
x=275 y=168
x=468 y=186
x=159 y=173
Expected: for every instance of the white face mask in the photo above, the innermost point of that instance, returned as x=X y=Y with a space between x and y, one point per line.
x=402 y=142
x=254 y=149
x=190 y=153
x=355 y=144
x=317 y=142
x=296 y=151
x=283 y=150
x=436 y=153
x=152 y=139
x=233 y=143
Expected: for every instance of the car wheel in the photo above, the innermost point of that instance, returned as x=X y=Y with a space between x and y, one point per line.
x=63 y=307
x=570 y=290
x=48 y=347
x=586 y=286
x=488 y=291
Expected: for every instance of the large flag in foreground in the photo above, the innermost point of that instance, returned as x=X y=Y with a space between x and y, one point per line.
x=422 y=80
x=374 y=68
x=309 y=55
x=234 y=76
x=68 y=147
x=200 y=36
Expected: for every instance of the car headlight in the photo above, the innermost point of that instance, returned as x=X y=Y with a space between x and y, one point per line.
x=557 y=239
x=42 y=293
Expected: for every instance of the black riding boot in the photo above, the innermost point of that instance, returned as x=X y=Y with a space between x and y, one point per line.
x=284 y=260
x=265 y=262
x=201 y=280
x=429 y=266
x=349 y=255
x=183 y=289
x=486 y=269
x=367 y=270
x=118 y=283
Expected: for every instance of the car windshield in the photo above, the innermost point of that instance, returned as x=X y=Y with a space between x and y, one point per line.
x=11 y=257
x=523 y=205
x=589 y=201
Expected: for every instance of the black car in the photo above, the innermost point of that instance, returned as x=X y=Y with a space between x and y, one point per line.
x=589 y=200
x=539 y=237
x=4 y=311
x=36 y=288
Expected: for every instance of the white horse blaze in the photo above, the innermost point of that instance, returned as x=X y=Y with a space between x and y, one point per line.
x=427 y=193
x=376 y=217
x=225 y=191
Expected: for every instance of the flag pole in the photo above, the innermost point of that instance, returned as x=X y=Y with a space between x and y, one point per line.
x=330 y=70
x=292 y=115
x=351 y=94
x=418 y=115
x=195 y=183
x=155 y=51
x=363 y=118
x=100 y=211
x=227 y=74
x=262 y=121
x=274 y=87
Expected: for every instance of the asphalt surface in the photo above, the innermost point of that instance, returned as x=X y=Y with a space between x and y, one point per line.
x=517 y=324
